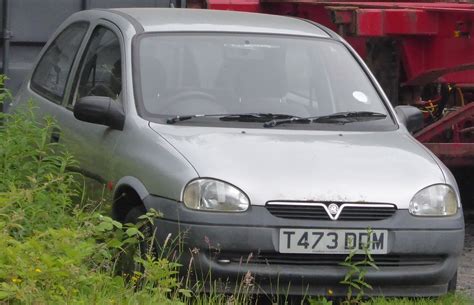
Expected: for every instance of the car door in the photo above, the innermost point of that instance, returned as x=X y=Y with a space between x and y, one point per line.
x=98 y=73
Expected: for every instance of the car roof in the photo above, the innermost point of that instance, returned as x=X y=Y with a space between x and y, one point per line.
x=204 y=20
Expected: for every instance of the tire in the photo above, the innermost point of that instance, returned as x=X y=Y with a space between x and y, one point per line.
x=452 y=284
x=126 y=264
x=148 y=245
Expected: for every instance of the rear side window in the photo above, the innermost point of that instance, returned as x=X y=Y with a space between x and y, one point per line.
x=52 y=72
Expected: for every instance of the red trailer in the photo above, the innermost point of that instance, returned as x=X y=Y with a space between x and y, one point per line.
x=422 y=53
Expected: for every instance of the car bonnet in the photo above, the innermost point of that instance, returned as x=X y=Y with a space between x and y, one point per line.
x=277 y=164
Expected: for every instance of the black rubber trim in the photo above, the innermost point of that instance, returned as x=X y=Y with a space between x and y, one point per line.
x=86 y=173
x=136 y=79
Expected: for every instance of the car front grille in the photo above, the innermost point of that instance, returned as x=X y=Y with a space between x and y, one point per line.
x=319 y=211
x=328 y=260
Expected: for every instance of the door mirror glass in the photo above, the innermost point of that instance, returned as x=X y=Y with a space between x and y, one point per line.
x=411 y=117
x=100 y=110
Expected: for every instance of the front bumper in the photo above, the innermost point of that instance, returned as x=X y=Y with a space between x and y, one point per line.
x=242 y=248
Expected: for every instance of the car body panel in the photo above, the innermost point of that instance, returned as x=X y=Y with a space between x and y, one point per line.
x=188 y=20
x=151 y=160
x=256 y=237
x=384 y=167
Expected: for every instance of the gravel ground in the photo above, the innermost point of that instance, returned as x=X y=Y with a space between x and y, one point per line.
x=466 y=268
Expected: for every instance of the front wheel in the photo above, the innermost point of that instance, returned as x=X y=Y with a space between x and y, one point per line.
x=127 y=262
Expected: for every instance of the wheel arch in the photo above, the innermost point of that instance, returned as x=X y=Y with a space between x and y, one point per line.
x=129 y=192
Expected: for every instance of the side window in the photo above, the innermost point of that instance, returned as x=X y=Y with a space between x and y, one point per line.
x=101 y=66
x=52 y=72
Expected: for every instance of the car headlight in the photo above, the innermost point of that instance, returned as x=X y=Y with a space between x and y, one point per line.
x=214 y=195
x=435 y=200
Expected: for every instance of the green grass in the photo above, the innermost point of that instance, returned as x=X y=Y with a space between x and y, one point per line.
x=57 y=247
x=451 y=299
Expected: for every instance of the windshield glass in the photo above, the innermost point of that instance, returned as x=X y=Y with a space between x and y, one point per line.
x=209 y=73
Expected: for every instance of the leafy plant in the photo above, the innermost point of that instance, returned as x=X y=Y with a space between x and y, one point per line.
x=320 y=301
x=355 y=275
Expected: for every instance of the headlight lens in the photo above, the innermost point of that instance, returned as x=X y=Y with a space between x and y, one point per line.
x=214 y=195
x=435 y=200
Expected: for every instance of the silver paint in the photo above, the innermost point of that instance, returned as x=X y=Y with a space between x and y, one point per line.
x=276 y=164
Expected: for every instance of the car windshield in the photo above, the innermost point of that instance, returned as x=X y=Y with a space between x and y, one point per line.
x=209 y=73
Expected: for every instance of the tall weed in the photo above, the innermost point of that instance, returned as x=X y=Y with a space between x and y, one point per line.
x=53 y=250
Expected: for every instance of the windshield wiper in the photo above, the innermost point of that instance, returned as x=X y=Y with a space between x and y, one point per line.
x=255 y=117
x=274 y=119
x=238 y=117
x=179 y=118
x=339 y=118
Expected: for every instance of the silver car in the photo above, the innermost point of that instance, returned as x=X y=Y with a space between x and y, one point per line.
x=265 y=142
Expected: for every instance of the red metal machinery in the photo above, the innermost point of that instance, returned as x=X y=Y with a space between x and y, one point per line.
x=451 y=138
x=422 y=53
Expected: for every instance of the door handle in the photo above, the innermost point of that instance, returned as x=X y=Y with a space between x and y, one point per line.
x=55 y=135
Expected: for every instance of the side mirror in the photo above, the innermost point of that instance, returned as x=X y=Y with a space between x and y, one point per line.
x=99 y=110
x=411 y=117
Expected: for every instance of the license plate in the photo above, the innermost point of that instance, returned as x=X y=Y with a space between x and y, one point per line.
x=332 y=241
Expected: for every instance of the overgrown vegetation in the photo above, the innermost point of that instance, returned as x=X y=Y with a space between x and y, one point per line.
x=53 y=248
x=57 y=248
